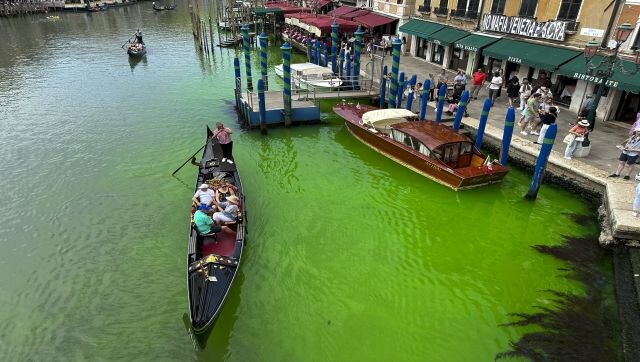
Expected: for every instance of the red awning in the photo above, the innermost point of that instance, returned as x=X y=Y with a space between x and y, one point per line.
x=323 y=3
x=299 y=15
x=372 y=20
x=341 y=10
x=355 y=14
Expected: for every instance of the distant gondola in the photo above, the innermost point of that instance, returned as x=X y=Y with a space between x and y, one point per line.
x=96 y=8
x=136 y=50
x=213 y=261
x=162 y=8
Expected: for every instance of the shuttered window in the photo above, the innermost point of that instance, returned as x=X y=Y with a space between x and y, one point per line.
x=528 y=8
x=497 y=7
x=569 y=9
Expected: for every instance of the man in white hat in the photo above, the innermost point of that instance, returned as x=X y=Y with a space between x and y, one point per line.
x=230 y=212
x=204 y=195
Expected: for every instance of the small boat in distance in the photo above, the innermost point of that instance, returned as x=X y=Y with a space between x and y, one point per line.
x=434 y=150
x=135 y=45
x=309 y=75
x=163 y=7
x=96 y=8
x=213 y=260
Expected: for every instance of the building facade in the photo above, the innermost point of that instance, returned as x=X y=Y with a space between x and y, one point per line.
x=542 y=41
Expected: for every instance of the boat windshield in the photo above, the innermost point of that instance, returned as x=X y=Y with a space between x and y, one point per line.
x=410 y=141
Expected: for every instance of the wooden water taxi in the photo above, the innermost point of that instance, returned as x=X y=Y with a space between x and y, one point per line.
x=213 y=260
x=309 y=75
x=433 y=150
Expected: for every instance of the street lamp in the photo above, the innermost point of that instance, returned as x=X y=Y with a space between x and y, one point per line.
x=604 y=69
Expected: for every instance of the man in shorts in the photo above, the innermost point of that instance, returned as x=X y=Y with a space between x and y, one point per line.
x=531 y=115
x=629 y=155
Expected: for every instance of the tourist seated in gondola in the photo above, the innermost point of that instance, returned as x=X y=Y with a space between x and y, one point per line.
x=222 y=193
x=203 y=221
x=204 y=195
x=230 y=212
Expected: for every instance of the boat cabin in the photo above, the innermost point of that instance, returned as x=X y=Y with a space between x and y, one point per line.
x=435 y=141
x=310 y=71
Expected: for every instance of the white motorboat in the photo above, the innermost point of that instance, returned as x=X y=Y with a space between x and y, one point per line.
x=309 y=75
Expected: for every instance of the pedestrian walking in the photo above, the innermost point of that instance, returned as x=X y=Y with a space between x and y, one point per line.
x=525 y=92
x=460 y=76
x=547 y=120
x=404 y=46
x=432 y=87
x=575 y=137
x=494 y=87
x=479 y=78
x=586 y=107
x=629 y=155
x=513 y=90
x=530 y=115
x=545 y=92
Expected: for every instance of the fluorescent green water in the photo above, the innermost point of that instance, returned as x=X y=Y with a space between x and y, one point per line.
x=349 y=256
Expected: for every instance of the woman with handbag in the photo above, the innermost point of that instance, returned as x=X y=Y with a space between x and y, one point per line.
x=629 y=155
x=575 y=137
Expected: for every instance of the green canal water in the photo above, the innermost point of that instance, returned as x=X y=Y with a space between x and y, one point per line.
x=349 y=255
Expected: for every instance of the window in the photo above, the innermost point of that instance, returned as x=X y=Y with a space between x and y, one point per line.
x=469 y=7
x=424 y=150
x=528 y=8
x=497 y=7
x=397 y=136
x=462 y=5
x=443 y=4
x=466 y=148
x=451 y=152
x=426 y=4
x=569 y=9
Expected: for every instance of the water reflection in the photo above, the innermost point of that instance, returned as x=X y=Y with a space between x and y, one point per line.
x=134 y=61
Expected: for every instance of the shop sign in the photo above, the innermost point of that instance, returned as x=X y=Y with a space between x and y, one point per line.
x=598 y=33
x=466 y=47
x=595 y=79
x=552 y=30
x=514 y=60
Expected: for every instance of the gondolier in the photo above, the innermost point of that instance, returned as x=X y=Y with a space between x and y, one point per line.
x=223 y=135
x=138 y=36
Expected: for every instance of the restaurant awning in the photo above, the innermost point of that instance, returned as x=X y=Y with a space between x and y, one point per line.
x=420 y=28
x=534 y=55
x=474 y=42
x=577 y=69
x=372 y=20
x=323 y=3
x=341 y=10
x=447 y=35
x=355 y=14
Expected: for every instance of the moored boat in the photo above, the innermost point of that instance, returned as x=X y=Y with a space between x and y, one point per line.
x=163 y=7
x=213 y=260
x=434 y=150
x=309 y=75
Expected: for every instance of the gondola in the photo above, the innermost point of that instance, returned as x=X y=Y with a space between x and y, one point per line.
x=96 y=8
x=162 y=8
x=213 y=261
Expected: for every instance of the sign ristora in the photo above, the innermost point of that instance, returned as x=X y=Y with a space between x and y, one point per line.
x=594 y=79
x=552 y=30
x=466 y=47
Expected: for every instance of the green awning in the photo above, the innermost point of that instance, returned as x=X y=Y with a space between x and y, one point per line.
x=420 y=28
x=577 y=69
x=447 y=35
x=474 y=42
x=534 y=55
x=264 y=11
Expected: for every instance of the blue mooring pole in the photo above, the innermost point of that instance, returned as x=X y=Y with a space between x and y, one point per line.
x=262 y=106
x=441 y=93
x=356 y=57
x=486 y=107
x=318 y=62
x=262 y=39
x=238 y=80
x=412 y=84
x=348 y=65
x=506 y=136
x=383 y=87
x=286 y=76
x=401 y=84
x=462 y=109
x=425 y=97
x=341 y=65
x=309 y=51
x=326 y=55
x=541 y=162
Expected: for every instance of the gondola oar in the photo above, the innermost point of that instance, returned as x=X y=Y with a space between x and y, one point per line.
x=188 y=159
x=128 y=41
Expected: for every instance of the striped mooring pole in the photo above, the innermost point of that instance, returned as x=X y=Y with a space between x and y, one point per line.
x=395 y=69
x=318 y=60
x=462 y=109
x=334 y=46
x=356 y=57
x=341 y=65
x=247 y=54
x=509 y=120
x=383 y=86
x=286 y=92
x=348 y=66
x=482 y=123
x=325 y=63
x=263 y=39
x=425 y=97
x=541 y=162
x=401 y=82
